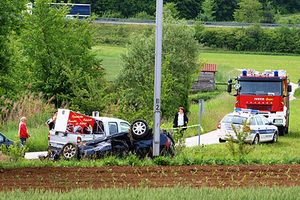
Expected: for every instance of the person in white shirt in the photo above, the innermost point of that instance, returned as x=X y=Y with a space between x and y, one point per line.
x=180 y=119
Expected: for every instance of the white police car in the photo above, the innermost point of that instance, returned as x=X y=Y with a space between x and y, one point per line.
x=260 y=128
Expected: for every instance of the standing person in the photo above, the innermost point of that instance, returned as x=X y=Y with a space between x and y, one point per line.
x=51 y=122
x=180 y=119
x=23 y=132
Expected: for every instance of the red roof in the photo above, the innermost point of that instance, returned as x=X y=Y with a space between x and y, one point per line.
x=209 y=68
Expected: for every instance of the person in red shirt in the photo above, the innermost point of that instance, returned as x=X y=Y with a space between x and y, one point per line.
x=23 y=132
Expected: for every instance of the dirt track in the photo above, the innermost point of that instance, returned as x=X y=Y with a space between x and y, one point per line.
x=60 y=178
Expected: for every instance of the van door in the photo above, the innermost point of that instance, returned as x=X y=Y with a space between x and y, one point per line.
x=113 y=128
x=98 y=130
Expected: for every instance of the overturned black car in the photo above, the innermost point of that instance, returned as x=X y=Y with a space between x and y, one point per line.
x=138 y=141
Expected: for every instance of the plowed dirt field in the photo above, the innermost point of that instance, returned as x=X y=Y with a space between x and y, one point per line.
x=67 y=178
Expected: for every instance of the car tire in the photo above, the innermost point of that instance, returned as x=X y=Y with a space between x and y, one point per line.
x=286 y=130
x=256 y=140
x=275 y=137
x=70 y=151
x=139 y=129
x=281 y=130
x=221 y=140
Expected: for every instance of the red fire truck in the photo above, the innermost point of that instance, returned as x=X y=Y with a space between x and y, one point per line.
x=266 y=92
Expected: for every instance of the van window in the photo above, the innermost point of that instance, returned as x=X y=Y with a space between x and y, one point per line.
x=98 y=127
x=124 y=127
x=113 y=128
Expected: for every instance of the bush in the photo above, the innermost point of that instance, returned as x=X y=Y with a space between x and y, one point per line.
x=238 y=147
x=277 y=40
x=15 y=152
x=194 y=98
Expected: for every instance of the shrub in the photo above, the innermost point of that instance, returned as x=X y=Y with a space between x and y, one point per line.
x=15 y=152
x=277 y=40
x=238 y=147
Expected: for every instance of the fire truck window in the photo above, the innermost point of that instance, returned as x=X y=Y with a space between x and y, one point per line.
x=98 y=127
x=113 y=128
x=261 y=88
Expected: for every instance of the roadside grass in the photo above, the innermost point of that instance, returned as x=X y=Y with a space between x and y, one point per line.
x=159 y=193
x=297 y=93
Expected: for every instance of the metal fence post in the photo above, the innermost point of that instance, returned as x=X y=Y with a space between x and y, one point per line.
x=201 y=110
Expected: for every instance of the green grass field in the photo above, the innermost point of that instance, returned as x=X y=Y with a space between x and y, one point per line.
x=228 y=63
x=111 y=59
x=160 y=193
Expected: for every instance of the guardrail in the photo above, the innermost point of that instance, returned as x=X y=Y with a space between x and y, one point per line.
x=192 y=23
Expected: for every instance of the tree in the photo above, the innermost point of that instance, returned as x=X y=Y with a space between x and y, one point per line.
x=10 y=22
x=225 y=9
x=248 y=11
x=58 y=52
x=208 y=10
x=268 y=13
x=135 y=84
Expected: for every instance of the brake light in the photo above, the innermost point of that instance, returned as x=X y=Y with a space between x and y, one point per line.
x=168 y=143
x=78 y=139
x=219 y=125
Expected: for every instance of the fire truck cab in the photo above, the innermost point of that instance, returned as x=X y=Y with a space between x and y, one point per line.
x=267 y=92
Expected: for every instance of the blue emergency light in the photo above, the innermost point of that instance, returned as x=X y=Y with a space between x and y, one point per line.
x=276 y=73
x=244 y=72
x=246 y=110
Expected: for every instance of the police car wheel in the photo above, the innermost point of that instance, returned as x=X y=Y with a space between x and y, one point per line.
x=256 y=140
x=275 y=137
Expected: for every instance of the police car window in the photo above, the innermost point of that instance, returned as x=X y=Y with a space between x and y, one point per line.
x=124 y=127
x=253 y=121
x=113 y=128
x=259 y=121
x=265 y=121
x=234 y=119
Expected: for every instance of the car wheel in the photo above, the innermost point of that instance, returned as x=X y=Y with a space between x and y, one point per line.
x=275 y=137
x=70 y=151
x=221 y=140
x=139 y=129
x=281 y=130
x=256 y=140
x=286 y=130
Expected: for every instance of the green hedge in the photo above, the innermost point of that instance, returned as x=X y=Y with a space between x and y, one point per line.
x=118 y=34
x=255 y=38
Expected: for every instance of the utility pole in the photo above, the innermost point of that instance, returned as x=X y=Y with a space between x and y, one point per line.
x=157 y=78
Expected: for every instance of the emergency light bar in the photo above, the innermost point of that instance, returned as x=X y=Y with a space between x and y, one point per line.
x=251 y=111
x=274 y=73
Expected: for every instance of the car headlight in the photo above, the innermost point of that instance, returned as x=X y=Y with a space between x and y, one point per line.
x=278 y=121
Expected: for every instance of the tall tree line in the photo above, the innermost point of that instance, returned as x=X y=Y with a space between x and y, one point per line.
x=188 y=9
